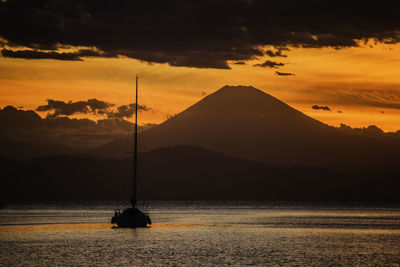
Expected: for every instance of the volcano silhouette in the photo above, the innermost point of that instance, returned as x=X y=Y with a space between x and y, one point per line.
x=245 y=122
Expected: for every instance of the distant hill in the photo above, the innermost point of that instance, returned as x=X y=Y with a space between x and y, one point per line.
x=186 y=173
x=247 y=123
x=24 y=134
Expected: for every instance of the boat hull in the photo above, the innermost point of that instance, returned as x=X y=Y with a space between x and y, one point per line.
x=131 y=217
x=131 y=221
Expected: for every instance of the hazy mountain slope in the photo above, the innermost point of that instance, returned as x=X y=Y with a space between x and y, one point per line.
x=247 y=123
x=186 y=173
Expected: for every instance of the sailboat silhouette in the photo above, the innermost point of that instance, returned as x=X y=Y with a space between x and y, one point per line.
x=132 y=217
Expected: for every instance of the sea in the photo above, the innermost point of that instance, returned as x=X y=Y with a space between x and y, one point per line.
x=202 y=234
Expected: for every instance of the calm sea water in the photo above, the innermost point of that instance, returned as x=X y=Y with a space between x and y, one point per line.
x=198 y=233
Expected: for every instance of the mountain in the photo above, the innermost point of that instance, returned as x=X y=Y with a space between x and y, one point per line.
x=247 y=123
x=186 y=173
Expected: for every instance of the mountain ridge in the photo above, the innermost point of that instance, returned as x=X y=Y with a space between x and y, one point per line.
x=186 y=173
x=247 y=123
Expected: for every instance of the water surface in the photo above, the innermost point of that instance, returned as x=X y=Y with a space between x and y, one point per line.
x=202 y=233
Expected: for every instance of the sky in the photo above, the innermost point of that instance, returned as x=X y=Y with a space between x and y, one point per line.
x=334 y=61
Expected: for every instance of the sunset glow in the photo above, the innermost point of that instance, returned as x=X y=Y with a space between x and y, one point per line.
x=362 y=83
x=199 y=133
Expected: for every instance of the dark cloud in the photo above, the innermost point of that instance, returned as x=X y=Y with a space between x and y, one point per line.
x=269 y=64
x=62 y=108
x=126 y=111
x=92 y=106
x=284 y=73
x=278 y=53
x=240 y=63
x=12 y=119
x=33 y=54
x=326 y=108
x=371 y=131
x=202 y=34
x=25 y=134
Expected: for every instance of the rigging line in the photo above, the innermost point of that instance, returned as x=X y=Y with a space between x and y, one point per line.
x=146 y=175
x=125 y=160
x=140 y=173
x=143 y=180
x=128 y=170
x=130 y=166
x=129 y=161
x=143 y=170
x=146 y=182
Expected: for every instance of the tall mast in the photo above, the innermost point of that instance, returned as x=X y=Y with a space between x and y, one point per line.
x=134 y=173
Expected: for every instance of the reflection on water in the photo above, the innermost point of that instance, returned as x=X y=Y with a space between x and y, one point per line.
x=196 y=233
x=4 y=229
x=53 y=227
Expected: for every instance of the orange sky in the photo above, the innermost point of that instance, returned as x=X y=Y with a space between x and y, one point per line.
x=361 y=82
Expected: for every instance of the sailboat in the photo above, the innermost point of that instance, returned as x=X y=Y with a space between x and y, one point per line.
x=132 y=217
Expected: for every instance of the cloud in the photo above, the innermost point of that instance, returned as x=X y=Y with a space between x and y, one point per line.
x=170 y=116
x=278 y=53
x=12 y=119
x=25 y=134
x=269 y=64
x=363 y=94
x=371 y=131
x=33 y=54
x=201 y=34
x=326 y=108
x=126 y=111
x=92 y=106
x=239 y=63
x=375 y=98
x=62 y=108
x=284 y=73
